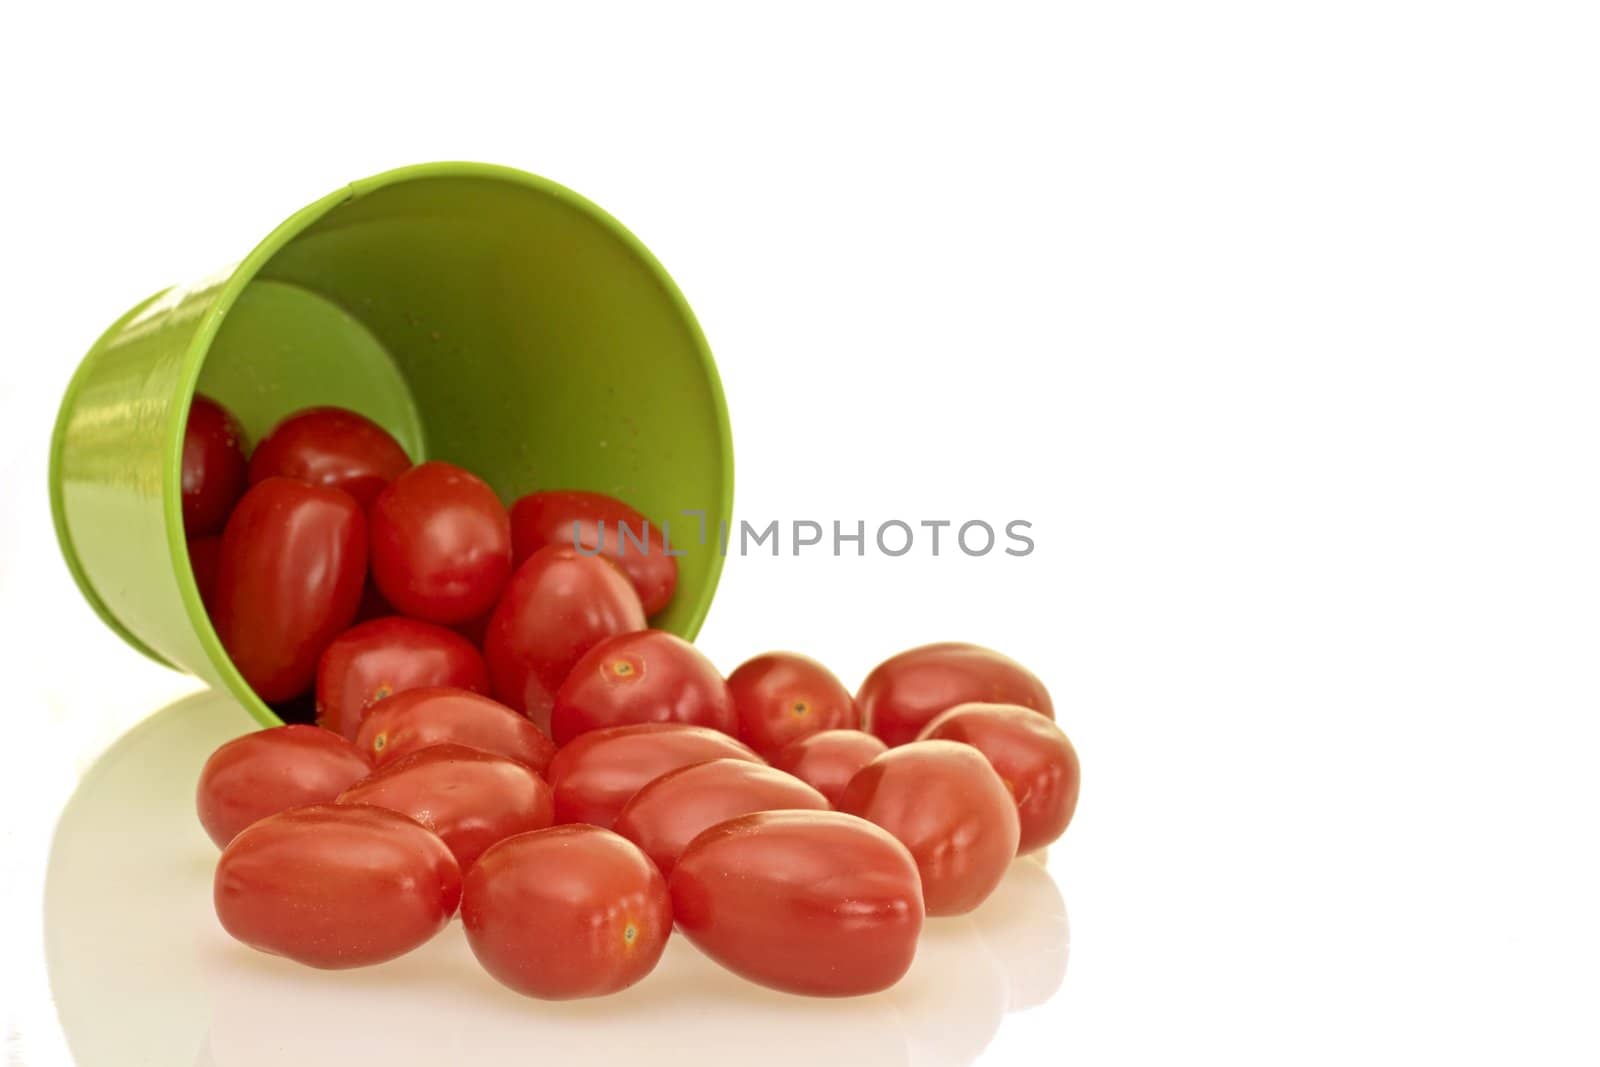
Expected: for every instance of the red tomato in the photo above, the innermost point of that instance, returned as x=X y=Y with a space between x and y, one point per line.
x=382 y=657
x=811 y=902
x=648 y=676
x=597 y=774
x=828 y=760
x=438 y=715
x=332 y=447
x=945 y=803
x=603 y=526
x=441 y=544
x=213 y=471
x=269 y=771
x=203 y=555
x=903 y=692
x=470 y=798
x=1032 y=756
x=783 y=696
x=288 y=581
x=668 y=813
x=556 y=607
x=336 y=885
x=574 y=911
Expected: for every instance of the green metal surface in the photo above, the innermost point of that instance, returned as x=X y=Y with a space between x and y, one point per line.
x=483 y=315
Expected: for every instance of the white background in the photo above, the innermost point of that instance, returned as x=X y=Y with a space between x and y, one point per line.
x=1278 y=321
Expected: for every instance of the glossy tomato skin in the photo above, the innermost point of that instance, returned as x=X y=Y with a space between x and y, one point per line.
x=289 y=578
x=336 y=885
x=1032 y=756
x=439 y=715
x=203 y=555
x=213 y=467
x=441 y=544
x=648 y=676
x=269 y=771
x=470 y=798
x=333 y=447
x=783 y=696
x=548 y=518
x=668 y=813
x=945 y=803
x=381 y=657
x=573 y=911
x=812 y=902
x=827 y=761
x=595 y=775
x=904 y=692
x=558 y=605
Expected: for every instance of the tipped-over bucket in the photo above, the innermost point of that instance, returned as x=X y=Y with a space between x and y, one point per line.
x=483 y=315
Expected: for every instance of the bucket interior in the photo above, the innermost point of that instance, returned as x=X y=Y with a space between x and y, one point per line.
x=507 y=328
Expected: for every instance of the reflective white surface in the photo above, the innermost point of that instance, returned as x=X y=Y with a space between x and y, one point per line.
x=141 y=971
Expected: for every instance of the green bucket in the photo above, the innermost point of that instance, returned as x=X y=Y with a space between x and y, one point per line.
x=483 y=315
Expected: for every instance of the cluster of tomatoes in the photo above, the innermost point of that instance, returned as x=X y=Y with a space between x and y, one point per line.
x=499 y=732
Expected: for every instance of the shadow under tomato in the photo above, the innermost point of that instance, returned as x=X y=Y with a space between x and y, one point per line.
x=142 y=972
